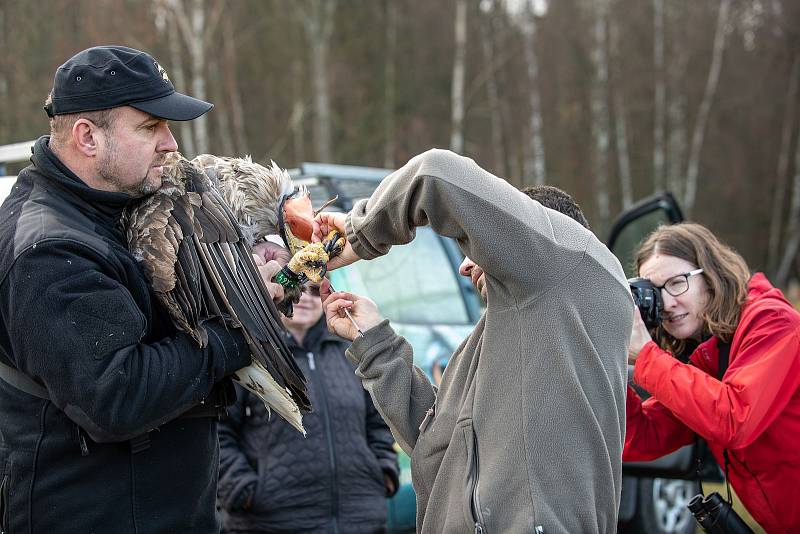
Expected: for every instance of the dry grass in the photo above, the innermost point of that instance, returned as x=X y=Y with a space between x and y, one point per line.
x=793 y=293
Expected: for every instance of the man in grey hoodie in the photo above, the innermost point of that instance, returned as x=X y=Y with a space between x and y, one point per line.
x=525 y=433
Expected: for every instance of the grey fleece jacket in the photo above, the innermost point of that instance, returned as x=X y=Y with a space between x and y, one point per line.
x=525 y=433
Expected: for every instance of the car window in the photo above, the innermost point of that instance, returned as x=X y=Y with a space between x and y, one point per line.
x=414 y=284
x=632 y=234
x=637 y=222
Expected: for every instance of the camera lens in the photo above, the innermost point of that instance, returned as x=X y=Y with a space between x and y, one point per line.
x=648 y=299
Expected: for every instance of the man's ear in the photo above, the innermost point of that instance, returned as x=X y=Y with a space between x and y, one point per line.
x=84 y=135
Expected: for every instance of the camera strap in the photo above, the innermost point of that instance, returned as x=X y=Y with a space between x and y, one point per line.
x=698 y=464
x=722 y=366
x=724 y=350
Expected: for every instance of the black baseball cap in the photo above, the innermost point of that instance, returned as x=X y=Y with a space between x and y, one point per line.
x=106 y=77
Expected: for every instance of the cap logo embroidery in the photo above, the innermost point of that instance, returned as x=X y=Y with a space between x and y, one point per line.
x=161 y=71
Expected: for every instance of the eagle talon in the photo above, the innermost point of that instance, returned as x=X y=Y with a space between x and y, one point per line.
x=334 y=243
x=309 y=263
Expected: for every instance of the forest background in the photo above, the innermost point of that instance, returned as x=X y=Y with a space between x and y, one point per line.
x=611 y=100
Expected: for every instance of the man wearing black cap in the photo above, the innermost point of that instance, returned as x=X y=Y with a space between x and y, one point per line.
x=108 y=419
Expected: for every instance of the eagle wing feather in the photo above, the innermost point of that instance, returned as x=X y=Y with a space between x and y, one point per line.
x=201 y=268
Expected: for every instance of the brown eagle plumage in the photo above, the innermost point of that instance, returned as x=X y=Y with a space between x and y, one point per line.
x=201 y=268
x=252 y=191
x=265 y=202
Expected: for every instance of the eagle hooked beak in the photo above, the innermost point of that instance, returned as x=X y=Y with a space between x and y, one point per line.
x=296 y=219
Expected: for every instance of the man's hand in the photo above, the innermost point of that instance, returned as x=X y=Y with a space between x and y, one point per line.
x=326 y=222
x=268 y=250
x=363 y=310
x=267 y=270
x=639 y=336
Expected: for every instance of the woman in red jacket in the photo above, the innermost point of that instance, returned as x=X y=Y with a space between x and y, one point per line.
x=753 y=412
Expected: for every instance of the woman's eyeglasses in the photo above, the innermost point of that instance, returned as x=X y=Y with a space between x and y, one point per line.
x=678 y=284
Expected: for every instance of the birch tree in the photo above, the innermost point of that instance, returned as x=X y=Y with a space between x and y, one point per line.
x=231 y=85
x=782 y=175
x=297 y=118
x=197 y=32
x=677 y=101
x=676 y=140
x=698 y=136
x=221 y=116
x=457 y=89
x=534 y=169
x=659 y=99
x=792 y=226
x=166 y=25
x=390 y=85
x=599 y=111
x=620 y=122
x=495 y=113
x=316 y=17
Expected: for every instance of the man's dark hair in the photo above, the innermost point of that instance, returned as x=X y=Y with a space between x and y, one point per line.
x=558 y=200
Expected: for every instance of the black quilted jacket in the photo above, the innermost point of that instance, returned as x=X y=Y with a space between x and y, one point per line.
x=329 y=481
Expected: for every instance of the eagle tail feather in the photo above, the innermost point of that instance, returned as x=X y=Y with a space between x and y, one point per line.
x=258 y=380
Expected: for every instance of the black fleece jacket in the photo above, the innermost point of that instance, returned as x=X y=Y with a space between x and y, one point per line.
x=329 y=481
x=78 y=317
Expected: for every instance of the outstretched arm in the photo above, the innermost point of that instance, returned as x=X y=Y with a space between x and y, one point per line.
x=400 y=391
x=523 y=248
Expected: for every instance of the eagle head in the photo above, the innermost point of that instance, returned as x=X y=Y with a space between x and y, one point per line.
x=254 y=192
x=296 y=218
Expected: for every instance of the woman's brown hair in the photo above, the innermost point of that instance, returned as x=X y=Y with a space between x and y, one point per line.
x=725 y=271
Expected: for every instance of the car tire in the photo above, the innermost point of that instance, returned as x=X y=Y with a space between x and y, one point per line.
x=661 y=507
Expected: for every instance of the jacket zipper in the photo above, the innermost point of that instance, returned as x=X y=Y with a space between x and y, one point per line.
x=82 y=441
x=328 y=436
x=475 y=505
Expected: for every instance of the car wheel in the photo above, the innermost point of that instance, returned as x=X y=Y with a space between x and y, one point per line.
x=661 y=507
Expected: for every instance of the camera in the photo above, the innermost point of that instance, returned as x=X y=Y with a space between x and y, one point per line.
x=648 y=299
x=716 y=516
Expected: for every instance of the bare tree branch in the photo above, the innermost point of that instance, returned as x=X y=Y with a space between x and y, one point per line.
x=600 y=114
x=495 y=113
x=705 y=106
x=317 y=21
x=659 y=104
x=533 y=169
x=169 y=25
x=457 y=88
x=390 y=85
x=793 y=226
x=217 y=8
x=782 y=176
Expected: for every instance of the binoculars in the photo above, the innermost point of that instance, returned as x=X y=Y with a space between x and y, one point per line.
x=716 y=516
